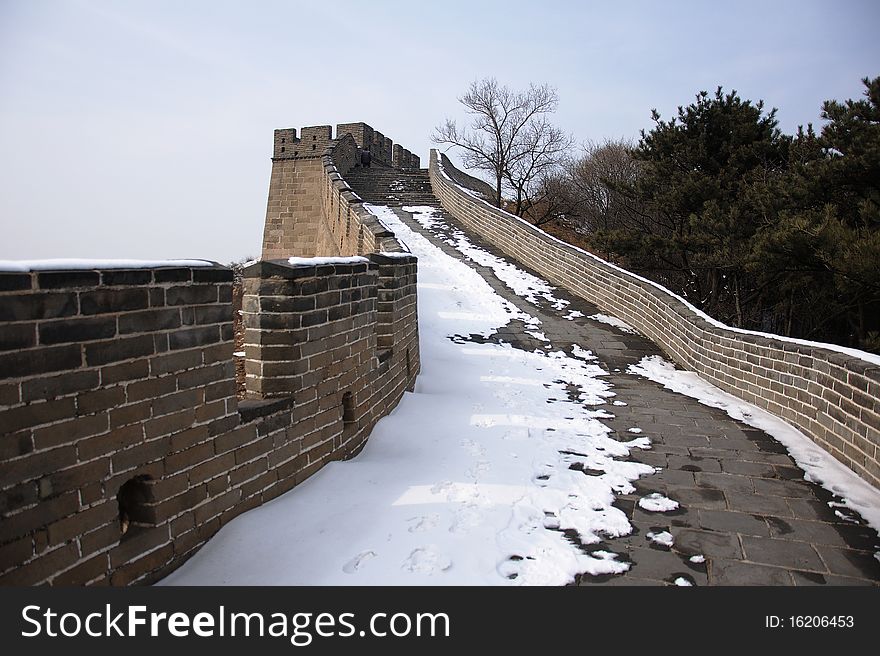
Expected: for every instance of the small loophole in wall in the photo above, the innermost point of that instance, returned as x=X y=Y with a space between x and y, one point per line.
x=347 y=410
x=133 y=499
x=408 y=365
x=282 y=149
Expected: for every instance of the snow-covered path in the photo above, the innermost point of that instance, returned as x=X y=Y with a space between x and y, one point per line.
x=466 y=482
x=502 y=467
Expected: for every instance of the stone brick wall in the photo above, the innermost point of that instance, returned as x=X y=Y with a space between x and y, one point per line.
x=294 y=221
x=123 y=445
x=831 y=396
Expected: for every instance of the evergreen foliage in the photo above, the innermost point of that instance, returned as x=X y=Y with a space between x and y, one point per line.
x=762 y=230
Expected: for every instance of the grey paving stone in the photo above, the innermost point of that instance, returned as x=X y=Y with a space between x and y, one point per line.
x=738 y=444
x=772 y=487
x=650 y=457
x=838 y=535
x=847 y=562
x=674 y=477
x=813 y=509
x=688 y=463
x=670 y=449
x=692 y=542
x=734 y=522
x=736 y=572
x=784 y=553
x=725 y=482
x=664 y=566
x=689 y=441
x=622 y=579
x=814 y=578
x=681 y=517
x=745 y=468
x=788 y=473
x=698 y=497
x=758 y=504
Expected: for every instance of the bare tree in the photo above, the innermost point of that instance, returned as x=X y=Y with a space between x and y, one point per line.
x=509 y=136
x=540 y=151
x=598 y=180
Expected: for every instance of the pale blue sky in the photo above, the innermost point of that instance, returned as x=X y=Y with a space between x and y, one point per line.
x=143 y=128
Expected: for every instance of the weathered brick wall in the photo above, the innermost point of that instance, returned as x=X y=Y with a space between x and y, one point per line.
x=123 y=380
x=340 y=339
x=294 y=220
x=116 y=374
x=830 y=396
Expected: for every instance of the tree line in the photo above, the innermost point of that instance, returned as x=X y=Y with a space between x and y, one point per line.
x=760 y=229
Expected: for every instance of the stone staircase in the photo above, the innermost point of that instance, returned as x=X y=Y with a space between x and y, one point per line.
x=382 y=185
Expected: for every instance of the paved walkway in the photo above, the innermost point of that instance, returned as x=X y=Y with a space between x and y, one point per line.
x=744 y=506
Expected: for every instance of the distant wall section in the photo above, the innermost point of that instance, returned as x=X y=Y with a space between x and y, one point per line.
x=311 y=211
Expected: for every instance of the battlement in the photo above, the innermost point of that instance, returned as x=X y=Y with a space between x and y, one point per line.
x=314 y=141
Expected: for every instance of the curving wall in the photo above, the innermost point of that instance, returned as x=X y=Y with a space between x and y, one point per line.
x=831 y=394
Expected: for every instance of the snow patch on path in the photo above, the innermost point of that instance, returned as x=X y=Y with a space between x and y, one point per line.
x=615 y=322
x=656 y=502
x=663 y=538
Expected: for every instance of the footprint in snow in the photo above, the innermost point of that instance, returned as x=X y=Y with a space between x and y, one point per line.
x=424 y=523
x=478 y=470
x=472 y=448
x=442 y=487
x=353 y=565
x=427 y=560
x=466 y=518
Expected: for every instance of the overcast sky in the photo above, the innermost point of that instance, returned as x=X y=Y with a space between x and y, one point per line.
x=144 y=129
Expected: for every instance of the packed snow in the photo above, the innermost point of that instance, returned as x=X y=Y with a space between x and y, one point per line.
x=396 y=254
x=663 y=538
x=820 y=466
x=656 y=502
x=79 y=264
x=699 y=558
x=468 y=481
x=683 y=582
x=319 y=261
x=523 y=284
x=614 y=322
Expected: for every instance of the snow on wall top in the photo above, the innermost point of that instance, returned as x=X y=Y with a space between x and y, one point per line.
x=78 y=264
x=318 y=261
